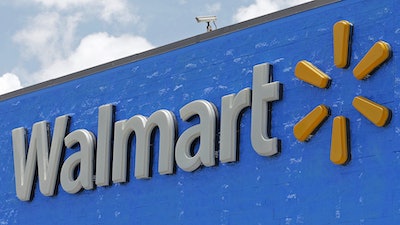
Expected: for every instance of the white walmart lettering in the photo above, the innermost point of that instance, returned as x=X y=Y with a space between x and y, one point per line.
x=46 y=155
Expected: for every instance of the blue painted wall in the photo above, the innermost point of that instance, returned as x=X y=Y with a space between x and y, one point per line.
x=299 y=186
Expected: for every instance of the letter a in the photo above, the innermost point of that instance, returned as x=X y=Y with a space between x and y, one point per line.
x=205 y=131
x=83 y=158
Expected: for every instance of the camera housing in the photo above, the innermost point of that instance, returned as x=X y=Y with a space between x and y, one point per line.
x=206 y=18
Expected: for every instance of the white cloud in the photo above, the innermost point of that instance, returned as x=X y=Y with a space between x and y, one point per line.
x=117 y=10
x=62 y=4
x=182 y=2
x=50 y=40
x=9 y=82
x=108 y=10
x=48 y=37
x=93 y=50
x=213 y=8
x=262 y=7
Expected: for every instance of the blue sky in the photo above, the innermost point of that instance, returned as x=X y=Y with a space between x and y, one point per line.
x=46 y=39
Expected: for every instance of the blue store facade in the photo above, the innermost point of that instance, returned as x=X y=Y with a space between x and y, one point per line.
x=287 y=182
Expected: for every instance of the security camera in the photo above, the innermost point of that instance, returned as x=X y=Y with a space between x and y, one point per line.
x=206 y=19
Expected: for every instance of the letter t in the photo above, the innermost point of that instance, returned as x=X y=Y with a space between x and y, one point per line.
x=264 y=93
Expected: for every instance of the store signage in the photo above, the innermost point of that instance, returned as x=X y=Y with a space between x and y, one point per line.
x=378 y=114
x=104 y=158
x=46 y=157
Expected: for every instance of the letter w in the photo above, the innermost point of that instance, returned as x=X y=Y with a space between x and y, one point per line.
x=25 y=158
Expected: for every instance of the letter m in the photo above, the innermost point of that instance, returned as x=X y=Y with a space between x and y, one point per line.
x=26 y=159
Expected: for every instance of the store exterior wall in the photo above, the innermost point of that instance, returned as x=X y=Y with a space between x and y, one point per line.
x=300 y=184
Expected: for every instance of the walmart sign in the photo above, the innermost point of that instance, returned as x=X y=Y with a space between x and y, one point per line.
x=263 y=93
x=291 y=118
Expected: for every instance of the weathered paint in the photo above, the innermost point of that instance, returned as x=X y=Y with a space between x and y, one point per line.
x=300 y=185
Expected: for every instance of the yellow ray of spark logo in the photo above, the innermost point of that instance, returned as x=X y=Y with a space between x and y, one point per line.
x=374 y=112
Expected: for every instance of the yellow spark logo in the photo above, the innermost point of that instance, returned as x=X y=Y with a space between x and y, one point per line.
x=374 y=112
